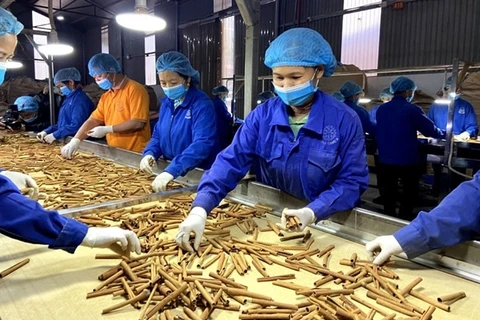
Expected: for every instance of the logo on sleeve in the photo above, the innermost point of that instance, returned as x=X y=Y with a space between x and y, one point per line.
x=461 y=110
x=188 y=115
x=329 y=135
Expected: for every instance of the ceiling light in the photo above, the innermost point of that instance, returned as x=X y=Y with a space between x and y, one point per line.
x=442 y=101
x=364 y=100
x=14 y=64
x=140 y=19
x=60 y=18
x=54 y=47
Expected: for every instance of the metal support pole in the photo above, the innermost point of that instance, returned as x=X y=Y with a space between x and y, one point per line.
x=233 y=102
x=445 y=180
x=51 y=95
x=49 y=62
x=451 y=107
x=250 y=10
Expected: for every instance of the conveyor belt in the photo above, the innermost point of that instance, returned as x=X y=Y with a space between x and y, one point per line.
x=54 y=284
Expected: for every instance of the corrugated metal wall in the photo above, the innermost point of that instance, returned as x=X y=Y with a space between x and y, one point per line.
x=267 y=34
x=191 y=10
x=361 y=35
x=430 y=32
x=166 y=40
x=307 y=13
x=128 y=47
x=94 y=46
x=201 y=44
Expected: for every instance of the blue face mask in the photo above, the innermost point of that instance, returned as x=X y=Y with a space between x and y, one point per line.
x=65 y=90
x=297 y=95
x=3 y=69
x=224 y=99
x=175 y=93
x=105 y=84
x=32 y=119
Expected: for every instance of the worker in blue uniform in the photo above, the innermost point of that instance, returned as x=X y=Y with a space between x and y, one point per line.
x=454 y=220
x=223 y=117
x=304 y=142
x=186 y=131
x=337 y=95
x=24 y=219
x=464 y=127
x=352 y=93
x=75 y=110
x=400 y=158
x=385 y=96
x=464 y=118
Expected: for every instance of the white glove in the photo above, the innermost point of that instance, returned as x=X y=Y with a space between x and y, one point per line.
x=41 y=136
x=69 y=150
x=104 y=237
x=194 y=222
x=49 y=138
x=22 y=181
x=387 y=245
x=306 y=216
x=464 y=136
x=145 y=164
x=100 y=131
x=161 y=181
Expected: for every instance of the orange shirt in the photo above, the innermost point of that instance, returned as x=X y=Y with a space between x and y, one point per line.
x=129 y=102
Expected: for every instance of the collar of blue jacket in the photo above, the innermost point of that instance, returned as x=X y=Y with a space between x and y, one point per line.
x=315 y=118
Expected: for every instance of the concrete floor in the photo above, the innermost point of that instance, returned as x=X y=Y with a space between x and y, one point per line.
x=427 y=202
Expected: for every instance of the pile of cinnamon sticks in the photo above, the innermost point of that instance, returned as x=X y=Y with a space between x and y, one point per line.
x=63 y=184
x=168 y=283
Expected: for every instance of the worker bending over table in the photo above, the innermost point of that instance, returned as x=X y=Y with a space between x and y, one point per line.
x=25 y=219
x=303 y=142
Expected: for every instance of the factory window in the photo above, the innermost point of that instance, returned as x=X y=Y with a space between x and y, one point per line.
x=228 y=55
x=219 y=5
x=361 y=35
x=41 y=24
x=150 y=71
x=105 y=48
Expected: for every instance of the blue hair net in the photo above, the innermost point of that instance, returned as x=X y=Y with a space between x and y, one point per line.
x=385 y=94
x=9 y=23
x=26 y=104
x=402 y=84
x=301 y=47
x=103 y=63
x=350 y=88
x=219 y=90
x=337 y=95
x=67 y=74
x=177 y=62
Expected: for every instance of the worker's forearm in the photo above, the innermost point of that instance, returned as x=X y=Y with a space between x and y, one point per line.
x=87 y=126
x=128 y=126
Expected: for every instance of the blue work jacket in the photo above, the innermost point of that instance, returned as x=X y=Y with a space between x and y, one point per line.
x=24 y=219
x=454 y=220
x=224 y=123
x=397 y=124
x=186 y=135
x=464 y=117
x=325 y=164
x=367 y=125
x=75 y=110
x=373 y=114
